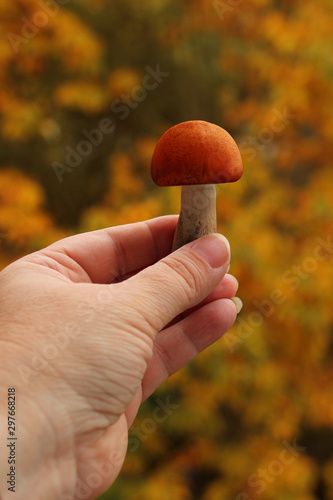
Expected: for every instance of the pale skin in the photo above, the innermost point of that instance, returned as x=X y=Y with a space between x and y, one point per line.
x=90 y=327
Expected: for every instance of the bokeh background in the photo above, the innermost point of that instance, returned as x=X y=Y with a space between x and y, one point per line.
x=262 y=69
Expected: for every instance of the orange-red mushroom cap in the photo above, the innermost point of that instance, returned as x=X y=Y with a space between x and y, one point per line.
x=196 y=152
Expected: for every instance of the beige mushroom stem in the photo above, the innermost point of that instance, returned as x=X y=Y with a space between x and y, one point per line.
x=197 y=214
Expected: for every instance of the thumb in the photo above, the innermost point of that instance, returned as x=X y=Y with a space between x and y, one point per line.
x=179 y=281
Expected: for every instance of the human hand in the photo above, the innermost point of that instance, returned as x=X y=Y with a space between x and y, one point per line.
x=111 y=315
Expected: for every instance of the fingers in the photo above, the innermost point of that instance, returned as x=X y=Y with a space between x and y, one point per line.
x=179 y=281
x=226 y=289
x=106 y=255
x=179 y=344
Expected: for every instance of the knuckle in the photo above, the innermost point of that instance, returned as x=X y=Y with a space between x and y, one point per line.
x=188 y=274
x=166 y=359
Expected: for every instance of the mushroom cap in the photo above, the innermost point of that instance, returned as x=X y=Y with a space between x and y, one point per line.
x=196 y=152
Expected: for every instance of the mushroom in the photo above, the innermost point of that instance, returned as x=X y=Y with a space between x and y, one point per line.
x=196 y=155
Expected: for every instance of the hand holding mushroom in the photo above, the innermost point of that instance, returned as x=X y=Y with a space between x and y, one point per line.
x=196 y=155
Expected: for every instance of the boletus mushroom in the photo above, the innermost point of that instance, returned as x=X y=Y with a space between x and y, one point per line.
x=196 y=155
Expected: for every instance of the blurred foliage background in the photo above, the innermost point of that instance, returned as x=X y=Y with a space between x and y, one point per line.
x=76 y=70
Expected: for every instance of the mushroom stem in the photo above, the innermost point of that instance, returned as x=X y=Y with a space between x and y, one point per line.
x=197 y=214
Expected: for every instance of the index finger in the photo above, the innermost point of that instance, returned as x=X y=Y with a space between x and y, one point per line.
x=107 y=254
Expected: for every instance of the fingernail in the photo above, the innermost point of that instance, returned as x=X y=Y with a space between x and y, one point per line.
x=238 y=303
x=236 y=280
x=215 y=249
